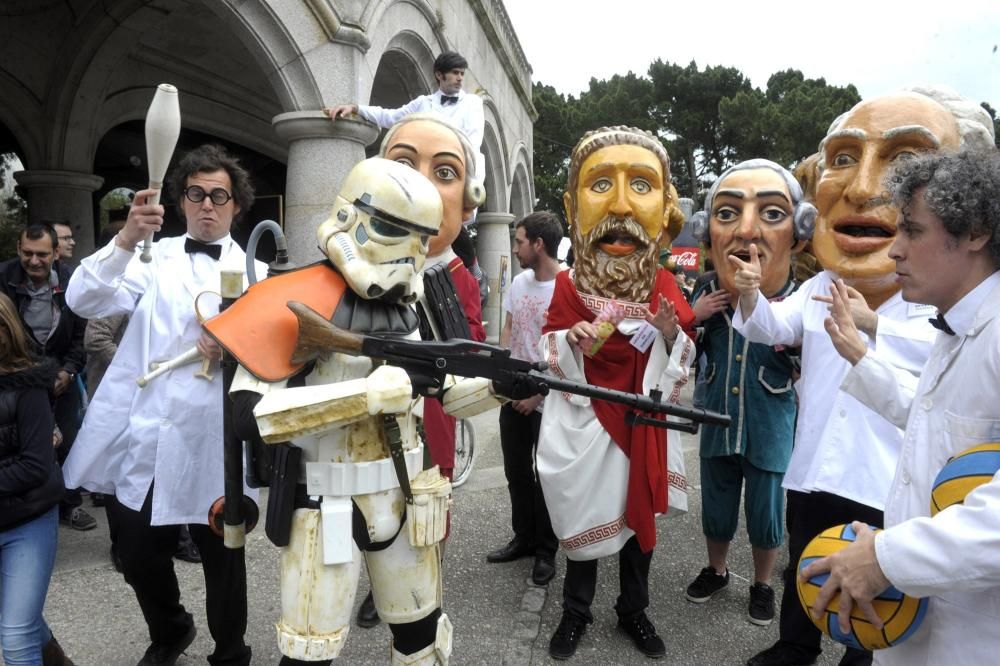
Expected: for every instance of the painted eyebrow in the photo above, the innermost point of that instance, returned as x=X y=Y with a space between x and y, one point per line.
x=613 y=165
x=918 y=130
x=448 y=153
x=773 y=193
x=739 y=194
x=851 y=132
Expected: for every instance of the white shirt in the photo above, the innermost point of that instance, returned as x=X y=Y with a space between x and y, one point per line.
x=526 y=302
x=953 y=557
x=841 y=446
x=171 y=430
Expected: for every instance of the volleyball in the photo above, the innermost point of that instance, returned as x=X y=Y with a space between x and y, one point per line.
x=962 y=473
x=901 y=614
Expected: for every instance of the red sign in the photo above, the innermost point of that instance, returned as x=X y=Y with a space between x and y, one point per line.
x=686 y=257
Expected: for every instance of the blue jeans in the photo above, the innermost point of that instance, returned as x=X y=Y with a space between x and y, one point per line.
x=27 y=555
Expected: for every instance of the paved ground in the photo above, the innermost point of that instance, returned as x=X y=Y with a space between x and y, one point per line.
x=499 y=616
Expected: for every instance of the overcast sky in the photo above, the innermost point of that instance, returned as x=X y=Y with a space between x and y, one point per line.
x=878 y=45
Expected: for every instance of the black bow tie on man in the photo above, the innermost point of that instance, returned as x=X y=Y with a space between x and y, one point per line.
x=192 y=246
x=449 y=99
x=940 y=324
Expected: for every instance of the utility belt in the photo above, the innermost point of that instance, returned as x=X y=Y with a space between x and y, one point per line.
x=329 y=489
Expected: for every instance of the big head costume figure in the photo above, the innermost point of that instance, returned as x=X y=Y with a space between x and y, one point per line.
x=757 y=202
x=857 y=220
x=605 y=481
x=446 y=158
x=620 y=207
x=337 y=421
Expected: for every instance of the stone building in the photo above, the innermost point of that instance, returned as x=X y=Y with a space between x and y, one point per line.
x=77 y=76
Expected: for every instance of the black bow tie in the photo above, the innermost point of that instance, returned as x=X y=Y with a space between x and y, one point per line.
x=449 y=99
x=192 y=246
x=940 y=324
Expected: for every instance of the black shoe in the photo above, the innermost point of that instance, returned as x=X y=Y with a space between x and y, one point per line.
x=761 y=608
x=784 y=653
x=78 y=519
x=367 y=614
x=567 y=637
x=162 y=654
x=515 y=550
x=98 y=499
x=187 y=551
x=543 y=570
x=706 y=585
x=643 y=634
x=53 y=654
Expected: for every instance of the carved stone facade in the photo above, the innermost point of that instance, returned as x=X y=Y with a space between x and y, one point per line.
x=76 y=79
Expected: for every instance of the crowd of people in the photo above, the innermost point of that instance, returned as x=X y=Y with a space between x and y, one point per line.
x=846 y=392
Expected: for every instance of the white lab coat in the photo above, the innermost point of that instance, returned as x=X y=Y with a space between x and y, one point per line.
x=170 y=431
x=953 y=558
x=841 y=446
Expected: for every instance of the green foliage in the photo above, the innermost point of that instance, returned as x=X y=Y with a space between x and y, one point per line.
x=708 y=119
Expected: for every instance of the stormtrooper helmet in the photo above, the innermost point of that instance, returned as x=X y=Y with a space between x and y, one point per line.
x=378 y=233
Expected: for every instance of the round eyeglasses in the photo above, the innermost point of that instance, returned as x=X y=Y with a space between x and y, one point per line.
x=196 y=194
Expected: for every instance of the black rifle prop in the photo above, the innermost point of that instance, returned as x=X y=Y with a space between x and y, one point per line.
x=427 y=364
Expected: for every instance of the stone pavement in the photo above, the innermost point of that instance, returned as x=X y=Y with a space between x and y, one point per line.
x=499 y=616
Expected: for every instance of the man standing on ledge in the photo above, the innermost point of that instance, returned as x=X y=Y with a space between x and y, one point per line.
x=536 y=242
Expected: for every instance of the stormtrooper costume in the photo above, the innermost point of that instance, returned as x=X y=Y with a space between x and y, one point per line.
x=344 y=416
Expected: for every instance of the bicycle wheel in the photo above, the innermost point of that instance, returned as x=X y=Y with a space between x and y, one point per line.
x=465 y=452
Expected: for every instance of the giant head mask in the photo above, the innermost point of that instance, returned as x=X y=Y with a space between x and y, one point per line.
x=444 y=156
x=756 y=202
x=620 y=206
x=380 y=228
x=857 y=221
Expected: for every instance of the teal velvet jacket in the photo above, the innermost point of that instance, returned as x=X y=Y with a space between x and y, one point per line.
x=752 y=383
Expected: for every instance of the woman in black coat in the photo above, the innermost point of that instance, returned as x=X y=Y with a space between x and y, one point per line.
x=31 y=486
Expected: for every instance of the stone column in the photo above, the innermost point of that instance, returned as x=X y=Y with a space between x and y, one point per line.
x=493 y=248
x=320 y=154
x=63 y=196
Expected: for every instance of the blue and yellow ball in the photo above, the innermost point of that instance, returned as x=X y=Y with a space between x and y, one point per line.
x=901 y=614
x=962 y=473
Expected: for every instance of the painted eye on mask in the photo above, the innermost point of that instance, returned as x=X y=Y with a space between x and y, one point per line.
x=904 y=155
x=601 y=185
x=773 y=214
x=641 y=186
x=843 y=160
x=446 y=173
x=726 y=214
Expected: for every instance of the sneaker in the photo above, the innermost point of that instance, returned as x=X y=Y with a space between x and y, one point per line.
x=567 y=637
x=164 y=654
x=761 y=609
x=784 y=653
x=643 y=634
x=78 y=519
x=706 y=585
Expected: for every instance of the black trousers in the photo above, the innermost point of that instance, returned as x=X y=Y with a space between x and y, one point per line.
x=147 y=557
x=529 y=516
x=633 y=583
x=806 y=515
x=67 y=414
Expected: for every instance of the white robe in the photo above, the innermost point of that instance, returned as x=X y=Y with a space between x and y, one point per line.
x=171 y=430
x=584 y=474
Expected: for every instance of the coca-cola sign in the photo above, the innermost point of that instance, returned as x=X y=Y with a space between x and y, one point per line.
x=686 y=257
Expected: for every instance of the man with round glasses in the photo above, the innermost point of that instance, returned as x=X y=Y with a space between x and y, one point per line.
x=157 y=450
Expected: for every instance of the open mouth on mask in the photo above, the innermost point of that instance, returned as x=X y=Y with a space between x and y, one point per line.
x=862 y=234
x=619 y=243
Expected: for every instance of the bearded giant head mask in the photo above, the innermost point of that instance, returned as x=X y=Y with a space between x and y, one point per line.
x=621 y=208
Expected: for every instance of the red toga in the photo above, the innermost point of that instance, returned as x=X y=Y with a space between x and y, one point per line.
x=619 y=365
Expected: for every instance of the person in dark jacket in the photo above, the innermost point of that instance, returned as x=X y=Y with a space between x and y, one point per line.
x=36 y=283
x=31 y=486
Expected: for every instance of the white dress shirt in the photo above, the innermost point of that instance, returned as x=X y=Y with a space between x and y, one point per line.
x=841 y=446
x=171 y=430
x=954 y=558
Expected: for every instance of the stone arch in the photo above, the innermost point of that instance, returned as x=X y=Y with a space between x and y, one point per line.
x=411 y=32
x=521 y=199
